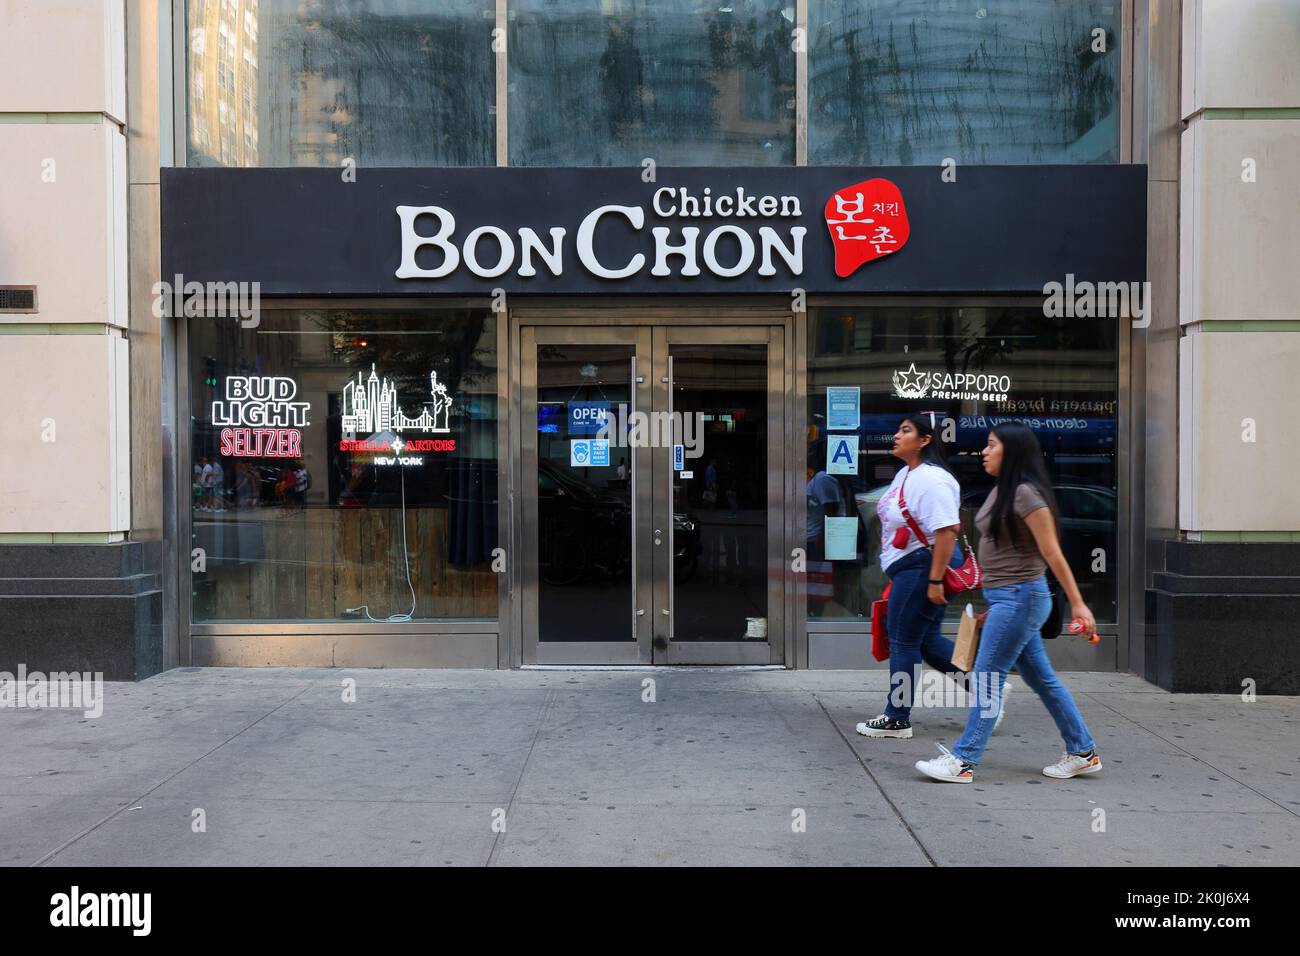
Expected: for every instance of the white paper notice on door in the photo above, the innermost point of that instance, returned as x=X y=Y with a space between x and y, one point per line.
x=841 y=539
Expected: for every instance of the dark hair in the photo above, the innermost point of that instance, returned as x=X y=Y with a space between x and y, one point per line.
x=933 y=452
x=1022 y=463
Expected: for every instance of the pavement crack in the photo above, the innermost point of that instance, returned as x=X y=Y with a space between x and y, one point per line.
x=1262 y=796
x=867 y=770
x=523 y=768
x=161 y=783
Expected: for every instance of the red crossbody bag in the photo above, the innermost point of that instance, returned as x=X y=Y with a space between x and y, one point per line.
x=968 y=577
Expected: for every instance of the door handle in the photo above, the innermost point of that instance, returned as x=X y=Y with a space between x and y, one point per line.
x=659 y=537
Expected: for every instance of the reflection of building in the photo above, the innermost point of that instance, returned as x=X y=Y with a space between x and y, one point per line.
x=372 y=406
x=222 y=63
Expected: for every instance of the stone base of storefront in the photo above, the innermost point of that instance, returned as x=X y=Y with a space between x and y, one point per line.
x=1224 y=618
x=83 y=608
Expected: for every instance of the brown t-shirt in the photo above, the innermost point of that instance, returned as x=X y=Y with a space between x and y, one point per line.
x=1014 y=557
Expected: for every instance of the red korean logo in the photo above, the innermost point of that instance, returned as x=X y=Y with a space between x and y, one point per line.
x=867 y=220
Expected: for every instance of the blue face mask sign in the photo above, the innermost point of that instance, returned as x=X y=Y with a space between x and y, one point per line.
x=587 y=418
x=589 y=453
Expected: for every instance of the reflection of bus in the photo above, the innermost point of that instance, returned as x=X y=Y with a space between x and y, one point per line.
x=1054 y=432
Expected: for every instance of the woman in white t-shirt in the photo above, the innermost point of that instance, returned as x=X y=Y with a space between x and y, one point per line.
x=916 y=597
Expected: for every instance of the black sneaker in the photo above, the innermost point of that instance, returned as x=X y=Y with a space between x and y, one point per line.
x=884 y=726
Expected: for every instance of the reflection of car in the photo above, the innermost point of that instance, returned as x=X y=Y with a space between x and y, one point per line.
x=1087 y=519
x=585 y=532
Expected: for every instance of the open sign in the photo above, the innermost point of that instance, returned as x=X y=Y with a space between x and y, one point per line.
x=587 y=418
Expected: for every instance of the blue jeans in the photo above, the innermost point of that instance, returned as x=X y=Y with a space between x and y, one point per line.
x=1011 y=638
x=915 y=629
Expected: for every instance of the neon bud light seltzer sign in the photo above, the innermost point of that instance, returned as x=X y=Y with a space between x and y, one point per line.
x=262 y=420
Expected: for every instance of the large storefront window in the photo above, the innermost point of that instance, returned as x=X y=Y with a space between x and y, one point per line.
x=1059 y=376
x=913 y=82
x=344 y=466
x=320 y=82
x=683 y=82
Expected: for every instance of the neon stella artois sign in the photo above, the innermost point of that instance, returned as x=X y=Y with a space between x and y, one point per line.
x=866 y=221
x=371 y=406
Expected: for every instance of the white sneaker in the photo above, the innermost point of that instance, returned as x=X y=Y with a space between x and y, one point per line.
x=1002 y=710
x=1073 y=765
x=947 y=768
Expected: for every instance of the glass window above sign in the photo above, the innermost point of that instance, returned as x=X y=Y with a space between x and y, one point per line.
x=682 y=82
x=921 y=82
x=331 y=83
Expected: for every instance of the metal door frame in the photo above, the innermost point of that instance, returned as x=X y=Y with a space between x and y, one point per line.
x=580 y=319
x=638 y=649
x=772 y=651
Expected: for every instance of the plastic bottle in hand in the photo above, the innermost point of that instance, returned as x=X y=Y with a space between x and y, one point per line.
x=1077 y=626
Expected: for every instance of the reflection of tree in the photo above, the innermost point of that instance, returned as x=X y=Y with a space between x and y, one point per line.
x=660 y=80
x=621 y=81
x=462 y=355
x=969 y=345
x=902 y=82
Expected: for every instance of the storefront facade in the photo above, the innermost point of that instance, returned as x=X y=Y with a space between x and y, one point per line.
x=517 y=416
x=556 y=333
x=558 y=351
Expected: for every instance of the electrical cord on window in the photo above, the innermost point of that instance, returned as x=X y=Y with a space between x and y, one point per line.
x=406 y=557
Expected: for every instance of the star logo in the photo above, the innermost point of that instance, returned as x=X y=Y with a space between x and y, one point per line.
x=398 y=445
x=911 y=384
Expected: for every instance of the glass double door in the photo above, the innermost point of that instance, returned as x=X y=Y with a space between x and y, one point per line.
x=652 y=494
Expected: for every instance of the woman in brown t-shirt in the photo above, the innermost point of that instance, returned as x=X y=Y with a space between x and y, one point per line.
x=1018 y=539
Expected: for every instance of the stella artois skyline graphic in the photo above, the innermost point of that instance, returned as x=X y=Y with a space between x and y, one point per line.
x=373 y=406
x=867 y=220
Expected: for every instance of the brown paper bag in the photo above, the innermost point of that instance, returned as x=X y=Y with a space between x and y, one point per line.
x=968 y=640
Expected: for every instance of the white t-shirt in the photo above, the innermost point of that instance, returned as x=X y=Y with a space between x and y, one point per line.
x=934 y=499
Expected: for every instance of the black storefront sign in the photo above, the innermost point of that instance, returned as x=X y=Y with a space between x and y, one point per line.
x=319 y=232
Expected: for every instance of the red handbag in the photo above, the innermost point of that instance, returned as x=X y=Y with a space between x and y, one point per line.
x=880 y=625
x=968 y=577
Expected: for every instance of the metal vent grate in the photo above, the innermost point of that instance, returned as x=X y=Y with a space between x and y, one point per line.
x=17 y=298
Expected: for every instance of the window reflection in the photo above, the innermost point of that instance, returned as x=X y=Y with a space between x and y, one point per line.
x=611 y=82
x=317 y=82
x=1061 y=379
x=912 y=82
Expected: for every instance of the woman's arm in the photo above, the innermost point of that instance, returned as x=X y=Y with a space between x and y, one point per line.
x=945 y=539
x=1041 y=523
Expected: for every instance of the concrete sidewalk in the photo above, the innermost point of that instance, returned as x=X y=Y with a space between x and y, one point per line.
x=583 y=771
